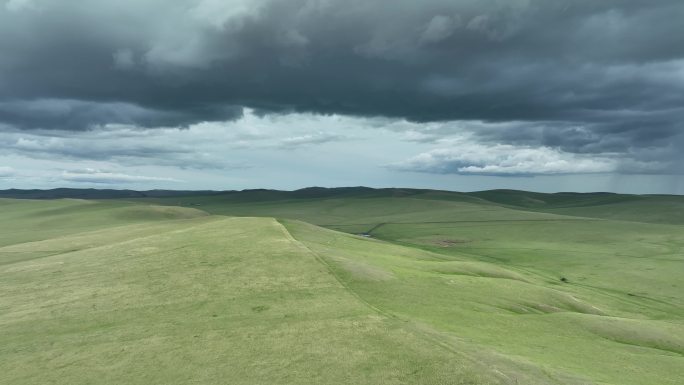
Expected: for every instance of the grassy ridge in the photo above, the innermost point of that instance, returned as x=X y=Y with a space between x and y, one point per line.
x=31 y=220
x=576 y=277
x=205 y=300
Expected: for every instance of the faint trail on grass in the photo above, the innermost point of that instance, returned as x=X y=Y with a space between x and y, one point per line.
x=469 y=221
x=445 y=341
x=332 y=271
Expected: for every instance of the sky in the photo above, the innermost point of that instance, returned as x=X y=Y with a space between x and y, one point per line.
x=542 y=95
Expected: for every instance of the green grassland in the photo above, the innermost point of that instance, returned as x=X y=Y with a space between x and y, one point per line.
x=498 y=287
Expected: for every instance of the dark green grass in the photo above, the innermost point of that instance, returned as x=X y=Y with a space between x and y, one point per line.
x=315 y=204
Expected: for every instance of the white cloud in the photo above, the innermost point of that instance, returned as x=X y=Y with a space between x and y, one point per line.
x=201 y=146
x=222 y=14
x=307 y=139
x=19 y=5
x=7 y=172
x=90 y=175
x=467 y=158
x=439 y=28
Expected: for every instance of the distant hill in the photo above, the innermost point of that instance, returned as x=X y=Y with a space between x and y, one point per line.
x=640 y=208
x=545 y=200
x=61 y=193
x=515 y=198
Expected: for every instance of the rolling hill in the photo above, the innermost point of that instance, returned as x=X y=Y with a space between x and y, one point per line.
x=265 y=286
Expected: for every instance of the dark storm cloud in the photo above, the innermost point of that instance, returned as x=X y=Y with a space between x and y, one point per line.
x=584 y=76
x=126 y=147
x=80 y=115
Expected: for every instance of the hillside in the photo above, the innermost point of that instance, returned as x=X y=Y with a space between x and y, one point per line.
x=204 y=300
x=248 y=288
x=667 y=209
x=72 y=193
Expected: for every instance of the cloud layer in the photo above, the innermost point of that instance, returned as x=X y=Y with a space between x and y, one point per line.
x=153 y=62
x=541 y=86
x=6 y=172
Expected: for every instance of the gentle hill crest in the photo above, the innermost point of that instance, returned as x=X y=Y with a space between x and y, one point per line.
x=641 y=208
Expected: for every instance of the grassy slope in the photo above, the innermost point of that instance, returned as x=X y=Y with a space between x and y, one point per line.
x=627 y=272
x=359 y=214
x=626 y=257
x=571 y=332
x=464 y=278
x=667 y=209
x=32 y=220
x=205 y=300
